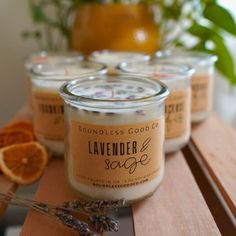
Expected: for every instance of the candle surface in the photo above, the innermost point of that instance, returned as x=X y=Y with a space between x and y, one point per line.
x=44 y=57
x=115 y=58
x=115 y=91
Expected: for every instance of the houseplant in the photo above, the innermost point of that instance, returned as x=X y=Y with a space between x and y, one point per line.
x=199 y=19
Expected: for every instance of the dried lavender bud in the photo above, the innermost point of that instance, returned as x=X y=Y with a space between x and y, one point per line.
x=74 y=223
x=98 y=205
x=141 y=112
x=93 y=206
x=110 y=113
x=140 y=89
x=75 y=204
x=104 y=223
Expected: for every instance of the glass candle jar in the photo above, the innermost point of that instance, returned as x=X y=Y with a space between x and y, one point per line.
x=202 y=79
x=113 y=58
x=114 y=136
x=50 y=58
x=177 y=107
x=48 y=111
x=44 y=57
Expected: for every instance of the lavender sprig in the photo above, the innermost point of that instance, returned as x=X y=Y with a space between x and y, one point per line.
x=93 y=206
x=104 y=223
x=94 y=210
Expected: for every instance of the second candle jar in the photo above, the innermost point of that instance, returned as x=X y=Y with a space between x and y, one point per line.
x=178 y=104
x=48 y=111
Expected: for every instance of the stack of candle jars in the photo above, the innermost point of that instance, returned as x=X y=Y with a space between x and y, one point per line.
x=202 y=79
x=178 y=104
x=113 y=58
x=48 y=110
x=116 y=122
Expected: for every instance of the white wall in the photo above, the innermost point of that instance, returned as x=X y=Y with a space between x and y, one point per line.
x=14 y=19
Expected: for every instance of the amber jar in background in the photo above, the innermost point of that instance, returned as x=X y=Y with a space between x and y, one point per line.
x=120 y=27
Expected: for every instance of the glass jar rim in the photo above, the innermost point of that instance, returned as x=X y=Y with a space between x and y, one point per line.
x=67 y=94
x=93 y=55
x=36 y=75
x=199 y=58
x=180 y=72
x=67 y=56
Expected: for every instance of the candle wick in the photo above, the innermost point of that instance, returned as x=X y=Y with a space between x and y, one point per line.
x=66 y=72
x=113 y=93
x=155 y=74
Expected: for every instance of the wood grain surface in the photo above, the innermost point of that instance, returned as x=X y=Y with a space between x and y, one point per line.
x=177 y=207
x=216 y=143
x=54 y=189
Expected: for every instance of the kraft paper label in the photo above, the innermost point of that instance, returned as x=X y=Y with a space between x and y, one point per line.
x=177 y=110
x=116 y=156
x=201 y=92
x=48 y=115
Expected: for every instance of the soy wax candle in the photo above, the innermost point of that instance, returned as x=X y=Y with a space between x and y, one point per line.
x=48 y=110
x=114 y=136
x=113 y=58
x=43 y=57
x=202 y=79
x=177 y=107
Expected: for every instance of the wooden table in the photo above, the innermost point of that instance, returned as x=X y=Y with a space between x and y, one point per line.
x=196 y=197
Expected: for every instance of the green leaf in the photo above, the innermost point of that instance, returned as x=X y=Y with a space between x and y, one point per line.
x=37 y=12
x=221 y=17
x=203 y=32
x=225 y=62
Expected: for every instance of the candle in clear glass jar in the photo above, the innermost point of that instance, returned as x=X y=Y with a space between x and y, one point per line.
x=202 y=79
x=177 y=107
x=48 y=111
x=113 y=58
x=49 y=58
x=114 y=136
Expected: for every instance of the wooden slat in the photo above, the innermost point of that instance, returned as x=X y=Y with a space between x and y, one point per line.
x=177 y=208
x=216 y=143
x=54 y=189
x=5 y=184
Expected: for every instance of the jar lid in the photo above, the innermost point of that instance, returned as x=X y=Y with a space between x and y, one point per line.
x=107 y=91
x=66 y=70
x=116 y=57
x=158 y=70
x=192 y=58
x=52 y=58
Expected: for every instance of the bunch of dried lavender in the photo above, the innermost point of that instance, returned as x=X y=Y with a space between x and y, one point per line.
x=67 y=213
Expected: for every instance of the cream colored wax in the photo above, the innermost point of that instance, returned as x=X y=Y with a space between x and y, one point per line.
x=113 y=58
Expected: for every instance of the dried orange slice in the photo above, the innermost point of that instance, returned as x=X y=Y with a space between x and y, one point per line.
x=25 y=125
x=10 y=137
x=23 y=163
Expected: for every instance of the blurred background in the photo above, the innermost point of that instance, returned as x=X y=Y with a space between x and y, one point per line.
x=15 y=19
